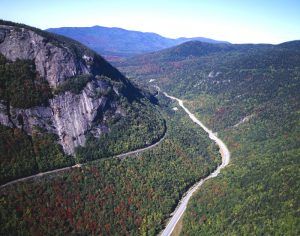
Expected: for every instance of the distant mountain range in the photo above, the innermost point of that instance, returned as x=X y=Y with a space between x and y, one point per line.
x=116 y=42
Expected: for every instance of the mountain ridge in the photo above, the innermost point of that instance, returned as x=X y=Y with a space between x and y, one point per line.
x=115 y=41
x=192 y=50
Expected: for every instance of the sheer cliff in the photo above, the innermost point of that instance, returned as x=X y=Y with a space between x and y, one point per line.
x=54 y=85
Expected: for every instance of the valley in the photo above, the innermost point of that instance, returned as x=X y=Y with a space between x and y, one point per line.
x=256 y=193
x=225 y=154
x=93 y=148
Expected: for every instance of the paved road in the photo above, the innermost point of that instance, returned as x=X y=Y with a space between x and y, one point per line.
x=40 y=175
x=121 y=156
x=225 y=160
x=184 y=201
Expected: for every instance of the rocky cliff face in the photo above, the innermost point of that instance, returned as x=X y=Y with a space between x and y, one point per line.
x=53 y=63
x=75 y=115
x=69 y=115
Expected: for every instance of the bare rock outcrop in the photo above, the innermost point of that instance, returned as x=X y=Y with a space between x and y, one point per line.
x=53 y=63
x=69 y=115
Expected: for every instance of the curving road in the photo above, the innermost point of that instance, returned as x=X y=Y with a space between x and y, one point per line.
x=121 y=156
x=176 y=215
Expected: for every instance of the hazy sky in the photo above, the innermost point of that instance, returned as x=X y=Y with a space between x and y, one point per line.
x=237 y=21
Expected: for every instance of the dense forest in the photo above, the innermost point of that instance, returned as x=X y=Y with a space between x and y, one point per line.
x=259 y=192
x=114 y=196
x=20 y=84
x=23 y=155
x=249 y=94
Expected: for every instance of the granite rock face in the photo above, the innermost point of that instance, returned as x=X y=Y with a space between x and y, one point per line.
x=53 y=63
x=69 y=115
x=75 y=115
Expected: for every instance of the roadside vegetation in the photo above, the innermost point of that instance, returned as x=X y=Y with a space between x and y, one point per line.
x=23 y=155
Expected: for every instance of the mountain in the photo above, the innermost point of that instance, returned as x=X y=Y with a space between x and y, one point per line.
x=191 y=50
x=249 y=95
x=58 y=98
x=83 y=150
x=117 y=42
x=193 y=58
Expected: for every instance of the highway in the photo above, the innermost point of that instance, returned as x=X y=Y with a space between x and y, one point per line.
x=176 y=215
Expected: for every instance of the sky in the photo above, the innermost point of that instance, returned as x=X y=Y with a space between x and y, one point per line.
x=236 y=21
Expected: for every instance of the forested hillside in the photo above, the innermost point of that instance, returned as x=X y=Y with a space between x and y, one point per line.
x=132 y=196
x=249 y=94
x=259 y=193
